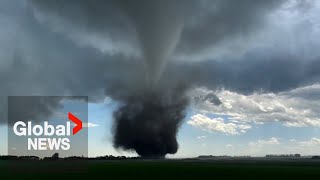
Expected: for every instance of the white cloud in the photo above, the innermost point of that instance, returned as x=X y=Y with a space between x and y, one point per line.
x=88 y=125
x=259 y=143
x=304 y=147
x=273 y=145
x=310 y=143
x=295 y=108
x=201 y=137
x=217 y=125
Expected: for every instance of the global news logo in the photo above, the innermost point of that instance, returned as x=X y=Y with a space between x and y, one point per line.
x=40 y=137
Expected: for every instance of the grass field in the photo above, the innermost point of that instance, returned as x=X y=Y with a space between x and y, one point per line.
x=168 y=169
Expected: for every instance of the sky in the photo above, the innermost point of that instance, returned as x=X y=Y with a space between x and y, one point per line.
x=250 y=70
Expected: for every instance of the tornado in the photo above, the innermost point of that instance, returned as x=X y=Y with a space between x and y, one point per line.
x=158 y=25
x=148 y=122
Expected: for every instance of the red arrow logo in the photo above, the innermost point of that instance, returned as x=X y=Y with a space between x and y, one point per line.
x=77 y=121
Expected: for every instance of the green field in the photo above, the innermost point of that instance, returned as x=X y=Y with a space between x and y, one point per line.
x=165 y=169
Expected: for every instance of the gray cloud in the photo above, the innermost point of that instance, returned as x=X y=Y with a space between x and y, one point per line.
x=158 y=28
x=32 y=108
x=257 y=71
x=84 y=70
x=39 y=49
x=35 y=108
x=223 y=20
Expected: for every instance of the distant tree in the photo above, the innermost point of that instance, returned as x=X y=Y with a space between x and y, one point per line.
x=55 y=156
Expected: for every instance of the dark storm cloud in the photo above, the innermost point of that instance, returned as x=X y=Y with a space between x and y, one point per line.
x=42 y=61
x=160 y=26
x=155 y=26
x=115 y=48
x=37 y=61
x=252 y=73
x=35 y=108
x=212 y=98
x=222 y=20
x=31 y=108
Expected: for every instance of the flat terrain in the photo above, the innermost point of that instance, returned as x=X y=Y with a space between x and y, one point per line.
x=162 y=169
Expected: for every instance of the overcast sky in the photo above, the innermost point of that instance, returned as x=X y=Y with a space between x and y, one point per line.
x=252 y=67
